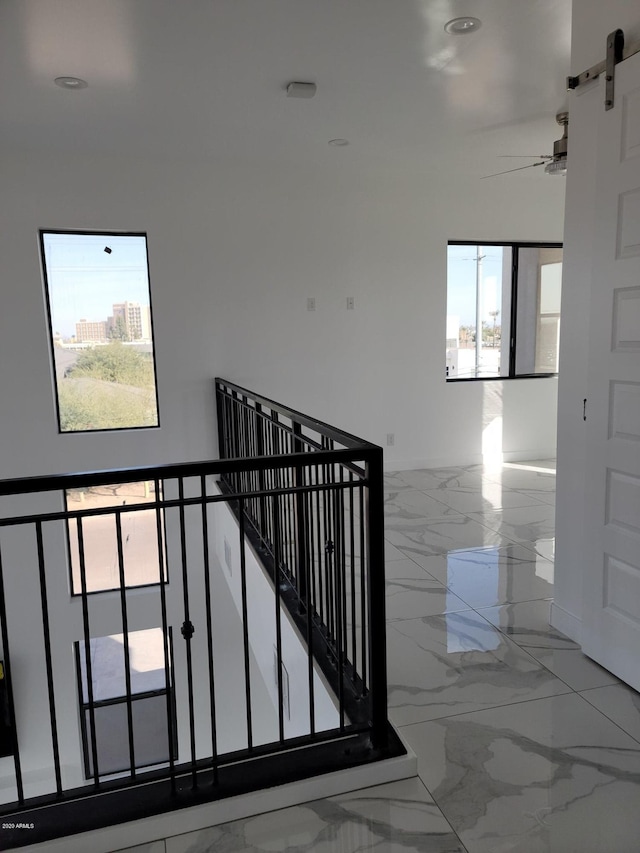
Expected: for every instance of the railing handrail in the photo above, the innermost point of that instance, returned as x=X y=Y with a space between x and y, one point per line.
x=354 y=450
x=107 y=477
x=176 y=503
x=323 y=428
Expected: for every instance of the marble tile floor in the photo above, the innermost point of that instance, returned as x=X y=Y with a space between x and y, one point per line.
x=524 y=745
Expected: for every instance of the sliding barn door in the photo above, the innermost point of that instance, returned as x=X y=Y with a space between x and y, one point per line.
x=611 y=628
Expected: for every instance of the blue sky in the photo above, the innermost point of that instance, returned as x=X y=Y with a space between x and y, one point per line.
x=85 y=281
x=461 y=282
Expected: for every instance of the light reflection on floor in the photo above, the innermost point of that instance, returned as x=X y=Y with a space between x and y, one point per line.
x=524 y=745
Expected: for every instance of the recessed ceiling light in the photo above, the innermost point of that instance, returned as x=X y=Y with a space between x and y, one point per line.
x=339 y=142
x=70 y=83
x=462 y=26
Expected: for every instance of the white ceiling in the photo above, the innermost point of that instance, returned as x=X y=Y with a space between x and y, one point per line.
x=206 y=79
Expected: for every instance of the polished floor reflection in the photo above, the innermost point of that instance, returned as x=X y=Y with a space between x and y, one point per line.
x=524 y=745
x=397 y=818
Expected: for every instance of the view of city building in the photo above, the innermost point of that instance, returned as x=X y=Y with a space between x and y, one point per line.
x=130 y=321
x=88 y=331
x=136 y=319
x=98 y=300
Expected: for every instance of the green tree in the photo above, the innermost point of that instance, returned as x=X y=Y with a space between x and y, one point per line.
x=118 y=332
x=115 y=363
x=109 y=387
x=88 y=404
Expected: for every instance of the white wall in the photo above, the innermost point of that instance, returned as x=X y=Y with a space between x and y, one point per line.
x=234 y=252
x=592 y=22
x=262 y=631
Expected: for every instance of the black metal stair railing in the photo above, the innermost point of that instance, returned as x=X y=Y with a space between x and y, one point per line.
x=328 y=547
x=126 y=572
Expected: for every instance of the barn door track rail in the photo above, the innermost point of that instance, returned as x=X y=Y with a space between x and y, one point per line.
x=617 y=52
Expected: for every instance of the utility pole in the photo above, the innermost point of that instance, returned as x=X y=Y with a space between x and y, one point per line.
x=494 y=314
x=478 y=260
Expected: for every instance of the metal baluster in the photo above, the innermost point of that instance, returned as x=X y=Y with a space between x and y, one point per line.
x=352 y=550
x=222 y=433
x=168 y=671
x=342 y=567
x=125 y=641
x=276 y=584
x=375 y=552
x=9 y=687
x=187 y=632
x=363 y=591
x=339 y=596
x=328 y=548
x=262 y=507
x=87 y=652
x=47 y=653
x=207 y=588
x=321 y=553
x=308 y=587
x=301 y=538
x=245 y=625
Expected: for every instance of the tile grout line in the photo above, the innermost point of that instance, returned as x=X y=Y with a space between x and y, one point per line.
x=491 y=708
x=436 y=803
x=606 y=716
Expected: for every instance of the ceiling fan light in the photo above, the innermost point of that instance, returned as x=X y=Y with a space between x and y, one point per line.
x=557 y=167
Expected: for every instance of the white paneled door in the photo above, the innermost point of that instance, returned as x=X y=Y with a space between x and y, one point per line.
x=611 y=627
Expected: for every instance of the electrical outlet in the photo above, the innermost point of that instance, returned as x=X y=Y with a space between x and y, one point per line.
x=391 y=439
x=350 y=303
x=311 y=304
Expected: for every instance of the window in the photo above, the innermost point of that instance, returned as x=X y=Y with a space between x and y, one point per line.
x=149 y=705
x=511 y=293
x=99 y=309
x=118 y=545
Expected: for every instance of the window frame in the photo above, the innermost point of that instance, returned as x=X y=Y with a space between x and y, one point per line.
x=88 y=708
x=47 y=295
x=515 y=246
x=163 y=559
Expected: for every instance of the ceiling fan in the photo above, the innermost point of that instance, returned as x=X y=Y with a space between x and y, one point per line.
x=554 y=164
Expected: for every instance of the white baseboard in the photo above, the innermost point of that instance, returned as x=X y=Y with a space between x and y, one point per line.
x=179 y=822
x=566 y=622
x=529 y=455
x=424 y=462
x=395 y=464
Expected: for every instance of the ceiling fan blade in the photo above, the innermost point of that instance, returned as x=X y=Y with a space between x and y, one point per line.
x=519 y=169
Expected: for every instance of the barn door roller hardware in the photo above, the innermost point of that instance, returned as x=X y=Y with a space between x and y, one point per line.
x=616 y=52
